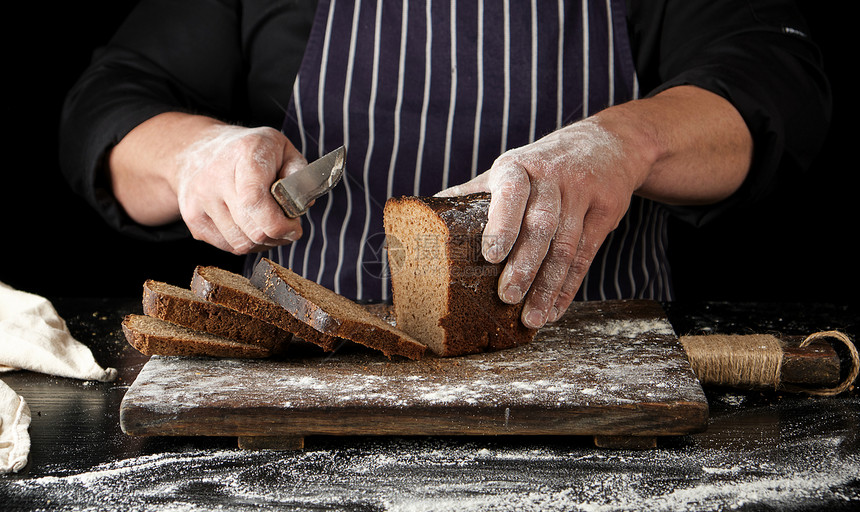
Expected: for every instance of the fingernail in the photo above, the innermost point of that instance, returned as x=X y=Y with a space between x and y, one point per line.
x=512 y=294
x=534 y=319
x=492 y=252
x=291 y=236
x=554 y=314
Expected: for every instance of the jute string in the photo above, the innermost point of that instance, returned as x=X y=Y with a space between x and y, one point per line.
x=755 y=360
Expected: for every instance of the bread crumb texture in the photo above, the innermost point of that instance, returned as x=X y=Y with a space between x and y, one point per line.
x=444 y=291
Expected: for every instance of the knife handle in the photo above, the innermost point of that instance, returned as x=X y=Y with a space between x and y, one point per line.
x=288 y=204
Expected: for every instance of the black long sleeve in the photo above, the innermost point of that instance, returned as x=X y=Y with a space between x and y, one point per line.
x=756 y=54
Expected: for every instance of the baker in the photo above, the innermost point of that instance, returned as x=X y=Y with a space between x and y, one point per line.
x=589 y=122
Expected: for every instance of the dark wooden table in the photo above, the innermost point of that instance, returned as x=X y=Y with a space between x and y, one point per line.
x=762 y=450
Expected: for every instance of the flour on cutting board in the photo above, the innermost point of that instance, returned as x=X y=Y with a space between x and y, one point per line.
x=631 y=328
x=601 y=363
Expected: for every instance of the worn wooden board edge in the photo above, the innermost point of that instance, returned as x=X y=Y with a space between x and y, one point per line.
x=685 y=415
x=638 y=420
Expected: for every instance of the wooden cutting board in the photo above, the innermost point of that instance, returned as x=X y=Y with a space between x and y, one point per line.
x=613 y=370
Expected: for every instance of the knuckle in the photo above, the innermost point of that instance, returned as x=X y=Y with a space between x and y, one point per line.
x=237 y=240
x=568 y=288
x=541 y=221
x=552 y=275
x=508 y=176
x=609 y=209
x=257 y=237
x=564 y=248
x=519 y=275
x=579 y=267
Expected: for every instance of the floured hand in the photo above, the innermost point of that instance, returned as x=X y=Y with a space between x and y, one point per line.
x=223 y=188
x=553 y=203
x=213 y=176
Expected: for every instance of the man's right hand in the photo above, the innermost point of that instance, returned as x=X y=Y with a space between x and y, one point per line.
x=215 y=177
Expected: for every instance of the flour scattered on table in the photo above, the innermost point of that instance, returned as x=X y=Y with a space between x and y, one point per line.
x=423 y=475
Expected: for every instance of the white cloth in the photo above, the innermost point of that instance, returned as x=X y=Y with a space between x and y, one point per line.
x=14 y=437
x=34 y=337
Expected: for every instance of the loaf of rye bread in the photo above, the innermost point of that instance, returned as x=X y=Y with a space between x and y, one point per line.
x=445 y=293
x=182 y=307
x=154 y=336
x=236 y=292
x=331 y=313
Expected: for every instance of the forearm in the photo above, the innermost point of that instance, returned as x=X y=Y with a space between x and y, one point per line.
x=144 y=164
x=688 y=146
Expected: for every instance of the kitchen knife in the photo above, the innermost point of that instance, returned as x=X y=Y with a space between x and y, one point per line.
x=295 y=192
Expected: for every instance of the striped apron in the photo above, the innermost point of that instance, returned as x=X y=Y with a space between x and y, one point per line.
x=426 y=94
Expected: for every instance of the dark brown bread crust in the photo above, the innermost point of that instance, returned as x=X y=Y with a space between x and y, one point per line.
x=153 y=336
x=238 y=293
x=330 y=313
x=183 y=307
x=478 y=319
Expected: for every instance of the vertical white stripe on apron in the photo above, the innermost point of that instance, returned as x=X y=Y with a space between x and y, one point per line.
x=534 y=64
x=585 y=60
x=604 y=260
x=631 y=273
x=618 y=261
x=667 y=278
x=321 y=151
x=507 y=75
x=653 y=253
x=606 y=242
x=321 y=88
x=584 y=71
x=635 y=87
x=350 y=64
x=309 y=242
x=452 y=100
x=611 y=52
x=416 y=184
x=324 y=233
x=560 y=73
x=479 y=104
x=303 y=141
x=644 y=256
x=320 y=146
x=371 y=115
x=396 y=142
x=404 y=24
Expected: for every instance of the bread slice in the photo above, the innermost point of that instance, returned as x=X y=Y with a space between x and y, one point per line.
x=181 y=306
x=236 y=292
x=331 y=313
x=445 y=293
x=154 y=336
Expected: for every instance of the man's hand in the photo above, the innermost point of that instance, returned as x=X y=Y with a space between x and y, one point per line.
x=215 y=177
x=553 y=203
x=555 y=200
x=223 y=183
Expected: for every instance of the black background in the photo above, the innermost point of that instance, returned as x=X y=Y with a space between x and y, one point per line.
x=798 y=245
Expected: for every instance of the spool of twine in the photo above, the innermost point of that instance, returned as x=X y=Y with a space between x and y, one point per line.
x=755 y=360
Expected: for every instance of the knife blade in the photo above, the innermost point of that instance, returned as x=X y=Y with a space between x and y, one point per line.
x=295 y=192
